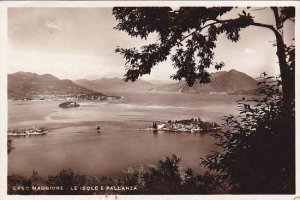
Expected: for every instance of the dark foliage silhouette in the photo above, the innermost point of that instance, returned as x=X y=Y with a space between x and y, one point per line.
x=189 y=34
x=164 y=178
x=258 y=153
x=258 y=147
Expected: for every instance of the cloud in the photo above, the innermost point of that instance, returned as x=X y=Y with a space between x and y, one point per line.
x=53 y=24
x=249 y=51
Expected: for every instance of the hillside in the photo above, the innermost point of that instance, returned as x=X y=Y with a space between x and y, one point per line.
x=231 y=82
x=115 y=84
x=26 y=84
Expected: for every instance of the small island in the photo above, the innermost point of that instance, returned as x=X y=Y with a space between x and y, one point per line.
x=27 y=132
x=69 y=104
x=187 y=125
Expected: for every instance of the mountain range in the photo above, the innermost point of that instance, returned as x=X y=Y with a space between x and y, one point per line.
x=115 y=84
x=231 y=82
x=24 y=84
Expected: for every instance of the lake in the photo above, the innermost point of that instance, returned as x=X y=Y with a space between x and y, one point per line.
x=73 y=141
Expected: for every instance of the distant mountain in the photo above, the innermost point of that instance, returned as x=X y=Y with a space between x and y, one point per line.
x=115 y=84
x=25 y=84
x=157 y=82
x=231 y=82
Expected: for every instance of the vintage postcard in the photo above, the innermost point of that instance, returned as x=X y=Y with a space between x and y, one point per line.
x=110 y=99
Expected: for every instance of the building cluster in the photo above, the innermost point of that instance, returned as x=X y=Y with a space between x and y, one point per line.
x=96 y=96
x=79 y=97
x=188 y=125
x=68 y=104
x=27 y=131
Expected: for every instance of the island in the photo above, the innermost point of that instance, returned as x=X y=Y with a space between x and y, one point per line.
x=69 y=104
x=27 y=132
x=194 y=125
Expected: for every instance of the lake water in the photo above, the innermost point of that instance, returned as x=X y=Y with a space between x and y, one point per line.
x=74 y=143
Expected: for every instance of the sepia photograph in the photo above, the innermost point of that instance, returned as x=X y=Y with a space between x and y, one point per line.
x=150 y=100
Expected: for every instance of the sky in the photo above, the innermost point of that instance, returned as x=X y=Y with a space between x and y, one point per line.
x=76 y=43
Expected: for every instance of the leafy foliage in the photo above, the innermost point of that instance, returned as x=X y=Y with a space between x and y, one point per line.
x=164 y=178
x=187 y=35
x=18 y=181
x=160 y=178
x=290 y=58
x=258 y=151
x=66 y=179
x=191 y=31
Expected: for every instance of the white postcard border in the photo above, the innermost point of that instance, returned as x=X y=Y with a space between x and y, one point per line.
x=3 y=93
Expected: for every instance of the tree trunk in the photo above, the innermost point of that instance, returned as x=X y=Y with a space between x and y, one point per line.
x=288 y=117
x=287 y=76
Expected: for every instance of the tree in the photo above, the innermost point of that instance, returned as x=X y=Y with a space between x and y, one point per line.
x=257 y=155
x=164 y=175
x=189 y=35
x=67 y=178
x=258 y=147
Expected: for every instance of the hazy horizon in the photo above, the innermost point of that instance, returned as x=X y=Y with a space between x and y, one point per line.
x=111 y=77
x=79 y=43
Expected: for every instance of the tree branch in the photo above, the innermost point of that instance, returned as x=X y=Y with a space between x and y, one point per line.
x=207 y=25
x=266 y=26
x=277 y=17
x=263 y=25
x=257 y=9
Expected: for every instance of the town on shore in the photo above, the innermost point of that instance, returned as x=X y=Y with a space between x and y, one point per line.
x=96 y=96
